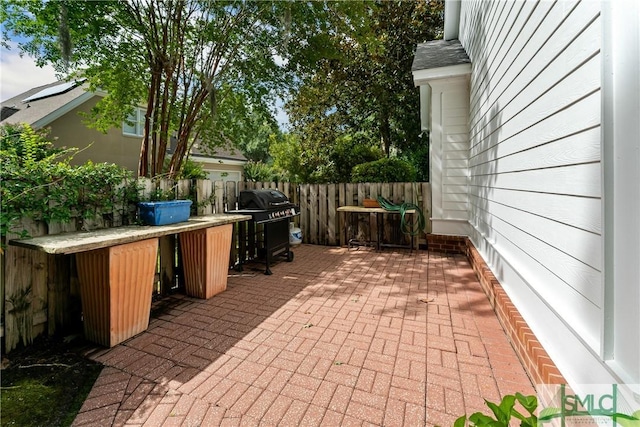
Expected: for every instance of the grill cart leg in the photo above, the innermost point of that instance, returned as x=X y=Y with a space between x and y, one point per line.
x=267 y=255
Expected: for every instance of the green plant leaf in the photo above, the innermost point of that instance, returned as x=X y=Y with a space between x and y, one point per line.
x=480 y=419
x=530 y=403
x=501 y=416
x=460 y=422
x=548 y=414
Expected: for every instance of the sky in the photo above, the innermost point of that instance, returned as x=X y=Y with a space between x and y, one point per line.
x=18 y=74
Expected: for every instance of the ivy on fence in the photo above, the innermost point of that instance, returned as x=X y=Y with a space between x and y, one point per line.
x=38 y=182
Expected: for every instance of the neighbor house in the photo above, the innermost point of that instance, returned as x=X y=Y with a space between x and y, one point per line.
x=60 y=106
x=534 y=118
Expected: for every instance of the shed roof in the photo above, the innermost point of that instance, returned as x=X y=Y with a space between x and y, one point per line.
x=438 y=54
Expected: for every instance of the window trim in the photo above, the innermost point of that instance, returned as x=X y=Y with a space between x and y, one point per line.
x=139 y=123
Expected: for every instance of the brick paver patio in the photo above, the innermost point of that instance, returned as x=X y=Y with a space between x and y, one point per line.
x=335 y=338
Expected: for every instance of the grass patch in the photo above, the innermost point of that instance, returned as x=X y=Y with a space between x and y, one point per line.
x=45 y=384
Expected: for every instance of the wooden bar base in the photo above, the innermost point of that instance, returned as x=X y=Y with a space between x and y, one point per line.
x=205 y=255
x=116 y=284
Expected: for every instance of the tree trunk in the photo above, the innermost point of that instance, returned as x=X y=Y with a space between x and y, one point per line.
x=385 y=131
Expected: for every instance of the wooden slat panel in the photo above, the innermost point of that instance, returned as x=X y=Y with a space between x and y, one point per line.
x=304 y=212
x=204 y=190
x=342 y=201
x=313 y=213
x=231 y=196
x=361 y=193
x=331 y=212
x=218 y=191
x=323 y=216
x=60 y=311
x=26 y=292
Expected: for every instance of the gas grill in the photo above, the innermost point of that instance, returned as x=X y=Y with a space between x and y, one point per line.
x=272 y=210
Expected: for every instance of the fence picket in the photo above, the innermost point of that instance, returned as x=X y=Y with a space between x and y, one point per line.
x=313 y=213
x=323 y=217
x=331 y=214
x=204 y=190
x=218 y=193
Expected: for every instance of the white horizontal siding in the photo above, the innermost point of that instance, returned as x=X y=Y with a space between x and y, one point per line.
x=455 y=152
x=534 y=151
x=528 y=110
x=553 y=128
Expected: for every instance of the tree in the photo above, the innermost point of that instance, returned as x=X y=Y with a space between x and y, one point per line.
x=368 y=87
x=181 y=56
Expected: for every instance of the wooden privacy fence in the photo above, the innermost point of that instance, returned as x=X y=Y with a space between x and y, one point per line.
x=40 y=292
x=319 y=220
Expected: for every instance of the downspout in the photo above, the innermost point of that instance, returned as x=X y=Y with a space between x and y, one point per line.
x=451 y=19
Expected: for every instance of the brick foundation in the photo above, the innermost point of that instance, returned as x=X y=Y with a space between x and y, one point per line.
x=447 y=244
x=533 y=356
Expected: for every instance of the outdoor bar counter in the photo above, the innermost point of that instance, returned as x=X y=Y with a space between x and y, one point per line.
x=116 y=269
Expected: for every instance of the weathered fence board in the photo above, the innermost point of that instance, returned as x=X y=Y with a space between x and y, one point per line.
x=26 y=293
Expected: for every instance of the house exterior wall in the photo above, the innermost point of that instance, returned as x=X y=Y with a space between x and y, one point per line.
x=535 y=168
x=224 y=172
x=449 y=147
x=116 y=147
x=112 y=147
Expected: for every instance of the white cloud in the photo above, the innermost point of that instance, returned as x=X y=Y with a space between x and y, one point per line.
x=20 y=74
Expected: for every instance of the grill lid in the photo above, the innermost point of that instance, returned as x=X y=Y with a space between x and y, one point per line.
x=262 y=199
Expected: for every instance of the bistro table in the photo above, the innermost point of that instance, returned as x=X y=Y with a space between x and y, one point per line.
x=345 y=223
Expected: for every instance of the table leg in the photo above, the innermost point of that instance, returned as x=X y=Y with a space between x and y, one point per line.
x=205 y=255
x=116 y=285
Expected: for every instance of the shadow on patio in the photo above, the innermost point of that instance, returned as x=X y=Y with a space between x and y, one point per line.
x=336 y=337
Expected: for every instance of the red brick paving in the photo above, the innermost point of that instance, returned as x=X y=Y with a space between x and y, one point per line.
x=335 y=338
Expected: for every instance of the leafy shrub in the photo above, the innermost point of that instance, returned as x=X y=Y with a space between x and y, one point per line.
x=384 y=170
x=189 y=169
x=258 y=172
x=348 y=152
x=37 y=181
x=418 y=156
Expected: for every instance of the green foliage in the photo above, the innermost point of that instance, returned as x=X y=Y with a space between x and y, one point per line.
x=243 y=124
x=258 y=172
x=384 y=170
x=287 y=157
x=191 y=170
x=503 y=412
x=188 y=170
x=367 y=85
x=37 y=182
x=349 y=151
x=195 y=64
x=418 y=156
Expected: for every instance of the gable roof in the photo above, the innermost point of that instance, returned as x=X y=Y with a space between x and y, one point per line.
x=41 y=105
x=439 y=59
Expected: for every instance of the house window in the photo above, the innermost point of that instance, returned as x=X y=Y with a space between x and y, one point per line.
x=134 y=125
